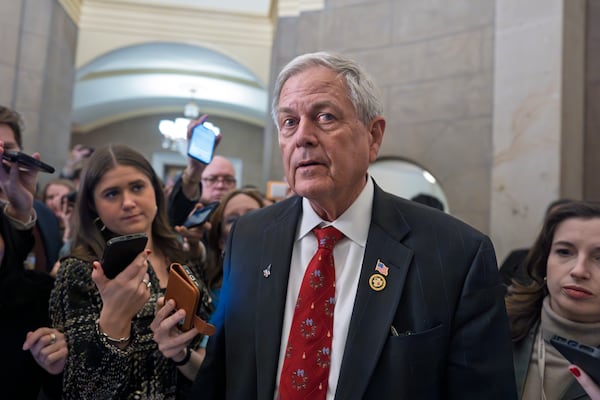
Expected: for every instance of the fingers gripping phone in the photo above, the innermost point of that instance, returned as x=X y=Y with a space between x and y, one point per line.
x=120 y=251
x=202 y=144
x=200 y=215
x=187 y=292
x=26 y=161
x=585 y=357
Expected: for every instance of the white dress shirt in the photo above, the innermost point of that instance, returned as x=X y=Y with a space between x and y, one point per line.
x=348 y=256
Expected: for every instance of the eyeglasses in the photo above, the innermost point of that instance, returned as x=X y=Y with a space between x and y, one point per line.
x=212 y=180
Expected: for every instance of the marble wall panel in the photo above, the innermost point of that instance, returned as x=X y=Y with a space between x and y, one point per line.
x=457 y=54
x=309 y=32
x=355 y=27
x=9 y=40
x=419 y=19
x=34 y=48
x=10 y=11
x=7 y=77
x=444 y=99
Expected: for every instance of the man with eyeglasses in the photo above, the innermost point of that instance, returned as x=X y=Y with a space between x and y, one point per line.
x=217 y=179
x=199 y=183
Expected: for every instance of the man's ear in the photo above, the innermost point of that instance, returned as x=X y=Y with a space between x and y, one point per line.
x=376 y=130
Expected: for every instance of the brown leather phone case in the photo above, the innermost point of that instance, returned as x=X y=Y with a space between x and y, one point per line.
x=184 y=288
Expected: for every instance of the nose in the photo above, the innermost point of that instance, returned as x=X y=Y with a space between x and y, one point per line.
x=306 y=133
x=128 y=200
x=581 y=268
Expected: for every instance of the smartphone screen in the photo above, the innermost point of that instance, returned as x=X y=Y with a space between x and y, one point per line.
x=201 y=215
x=202 y=144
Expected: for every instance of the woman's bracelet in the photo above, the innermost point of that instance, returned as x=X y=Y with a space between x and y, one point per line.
x=186 y=358
x=111 y=339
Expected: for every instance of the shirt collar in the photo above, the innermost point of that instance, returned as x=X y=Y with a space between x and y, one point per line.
x=353 y=223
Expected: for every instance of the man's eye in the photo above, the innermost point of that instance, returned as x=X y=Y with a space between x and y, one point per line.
x=326 y=117
x=288 y=122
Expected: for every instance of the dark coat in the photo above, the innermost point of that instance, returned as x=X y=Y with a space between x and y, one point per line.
x=443 y=296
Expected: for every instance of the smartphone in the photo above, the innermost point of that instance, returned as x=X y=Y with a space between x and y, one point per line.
x=202 y=144
x=25 y=161
x=585 y=357
x=120 y=251
x=70 y=198
x=200 y=215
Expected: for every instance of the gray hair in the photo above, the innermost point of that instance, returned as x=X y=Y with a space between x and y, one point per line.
x=361 y=90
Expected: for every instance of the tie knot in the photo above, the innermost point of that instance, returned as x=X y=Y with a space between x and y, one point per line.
x=327 y=237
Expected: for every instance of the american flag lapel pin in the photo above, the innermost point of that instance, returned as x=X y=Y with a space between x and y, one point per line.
x=267 y=271
x=381 y=268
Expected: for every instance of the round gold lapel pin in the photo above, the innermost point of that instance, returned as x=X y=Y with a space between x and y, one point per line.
x=377 y=282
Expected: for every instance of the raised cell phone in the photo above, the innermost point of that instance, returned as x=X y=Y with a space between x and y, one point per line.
x=25 y=161
x=200 y=215
x=120 y=251
x=585 y=357
x=202 y=144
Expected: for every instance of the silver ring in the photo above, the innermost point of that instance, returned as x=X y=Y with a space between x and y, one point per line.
x=52 y=338
x=147 y=283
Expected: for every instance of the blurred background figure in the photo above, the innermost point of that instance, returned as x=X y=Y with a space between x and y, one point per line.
x=56 y=196
x=429 y=200
x=34 y=354
x=233 y=205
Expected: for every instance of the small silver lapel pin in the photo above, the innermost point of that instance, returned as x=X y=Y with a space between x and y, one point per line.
x=267 y=271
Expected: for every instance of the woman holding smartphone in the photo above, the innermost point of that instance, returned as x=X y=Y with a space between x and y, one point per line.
x=107 y=321
x=563 y=299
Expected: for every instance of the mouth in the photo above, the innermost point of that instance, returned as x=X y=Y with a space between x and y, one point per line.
x=577 y=292
x=308 y=164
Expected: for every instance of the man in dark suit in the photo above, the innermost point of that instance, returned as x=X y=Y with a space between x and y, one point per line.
x=419 y=310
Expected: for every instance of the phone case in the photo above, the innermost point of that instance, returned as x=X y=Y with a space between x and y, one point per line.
x=585 y=357
x=120 y=251
x=184 y=288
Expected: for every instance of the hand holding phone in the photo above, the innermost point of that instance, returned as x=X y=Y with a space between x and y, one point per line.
x=187 y=292
x=200 y=215
x=120 y=251
x=25 y=161
x=585 y=357
x=202 y=143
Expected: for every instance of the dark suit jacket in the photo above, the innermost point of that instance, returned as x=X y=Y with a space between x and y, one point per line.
x=522 y=356
x=50 y=232
x=443 y=296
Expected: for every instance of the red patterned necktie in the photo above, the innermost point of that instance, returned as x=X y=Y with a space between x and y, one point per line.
x=305 y=370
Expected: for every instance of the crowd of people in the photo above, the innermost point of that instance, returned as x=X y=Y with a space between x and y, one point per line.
x=399 y=300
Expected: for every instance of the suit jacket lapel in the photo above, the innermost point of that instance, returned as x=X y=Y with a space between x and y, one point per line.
x=373 y=308
x=277 y=245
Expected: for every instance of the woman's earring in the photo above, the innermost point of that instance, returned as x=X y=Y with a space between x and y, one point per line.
x=98 y=220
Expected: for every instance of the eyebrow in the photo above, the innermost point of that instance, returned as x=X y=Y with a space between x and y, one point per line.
x=313 y=107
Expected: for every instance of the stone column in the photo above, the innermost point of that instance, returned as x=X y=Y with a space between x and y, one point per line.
x=37 y=70
x=538 y=117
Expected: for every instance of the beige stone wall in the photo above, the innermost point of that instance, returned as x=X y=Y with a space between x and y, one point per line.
x=433 y=63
